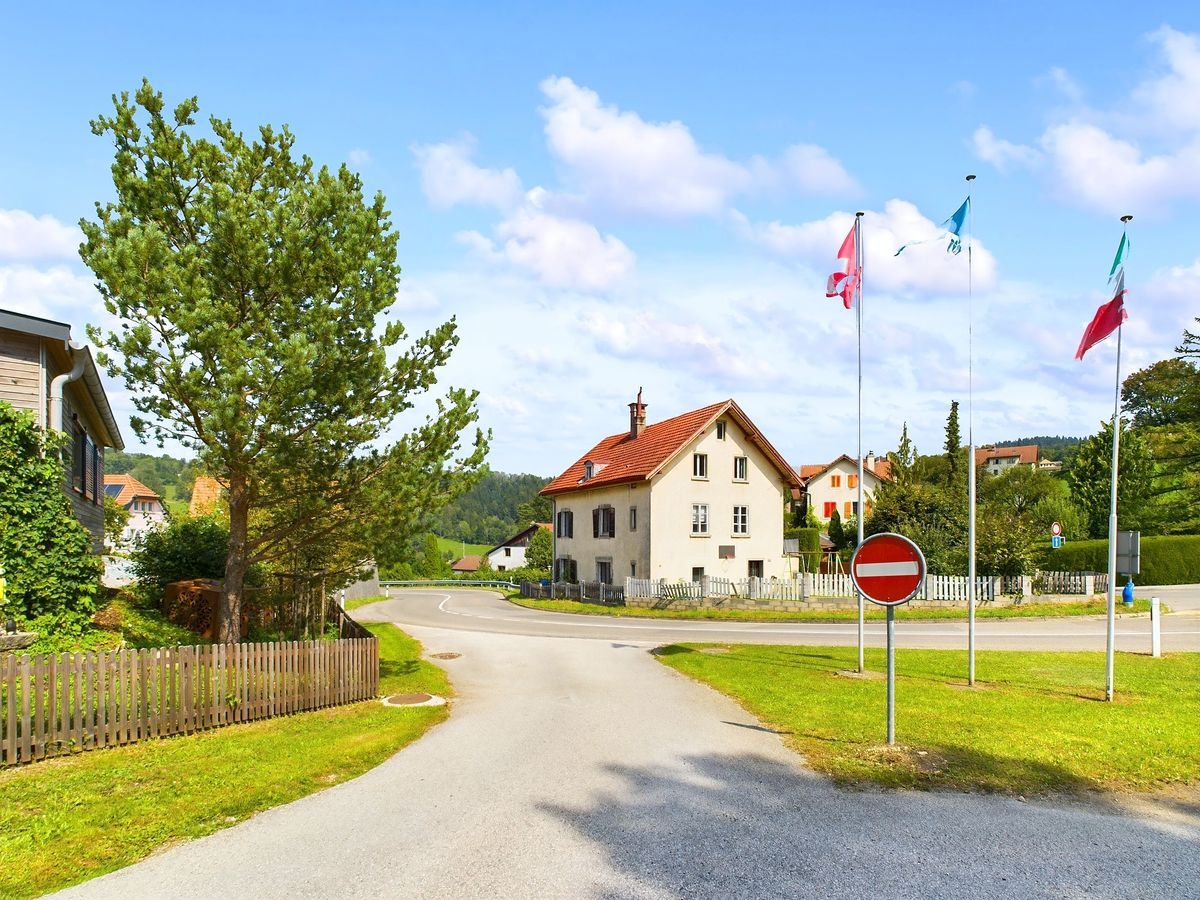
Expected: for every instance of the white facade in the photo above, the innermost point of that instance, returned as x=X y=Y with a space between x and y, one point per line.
x=145 y=514
x=837 y=488
x=722 y=516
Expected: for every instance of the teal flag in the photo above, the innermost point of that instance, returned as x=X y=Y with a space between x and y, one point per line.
x=1119 y=259
x=951 y=228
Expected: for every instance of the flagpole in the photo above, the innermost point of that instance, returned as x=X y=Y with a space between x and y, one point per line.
x=858 y=316
x=971 y=585
x=1110 y=642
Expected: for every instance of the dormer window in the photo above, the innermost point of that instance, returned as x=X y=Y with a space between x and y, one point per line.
x=589 y=470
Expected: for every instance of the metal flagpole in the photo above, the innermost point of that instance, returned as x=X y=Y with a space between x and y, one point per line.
x=1110 y=642
x=970 y=444
x=858 y=315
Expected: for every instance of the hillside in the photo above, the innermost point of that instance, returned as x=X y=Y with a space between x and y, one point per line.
x=499 y=505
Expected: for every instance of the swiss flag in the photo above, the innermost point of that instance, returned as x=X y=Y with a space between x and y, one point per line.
x=844 y=282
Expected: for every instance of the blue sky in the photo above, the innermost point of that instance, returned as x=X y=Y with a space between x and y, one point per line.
x=651 y=195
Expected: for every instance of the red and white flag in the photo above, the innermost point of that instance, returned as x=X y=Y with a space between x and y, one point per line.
x=844 y=282
x=1108 y=319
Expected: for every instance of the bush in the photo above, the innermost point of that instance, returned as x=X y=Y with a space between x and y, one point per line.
x=186 y=548
x=809 y=545
x=1166 y=559
x=45 y=552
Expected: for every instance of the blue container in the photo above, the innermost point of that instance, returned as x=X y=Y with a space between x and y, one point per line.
x=1127 y=594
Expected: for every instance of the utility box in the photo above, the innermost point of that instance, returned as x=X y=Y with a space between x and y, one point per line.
x=1129 y=552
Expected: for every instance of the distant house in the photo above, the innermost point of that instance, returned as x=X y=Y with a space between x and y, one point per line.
x=466 y=564
x=206 y=493
x=1000 y=459
x=42 y=370
x=834 y=486
x=146 y=510
x=511 y=553
x=702 y=493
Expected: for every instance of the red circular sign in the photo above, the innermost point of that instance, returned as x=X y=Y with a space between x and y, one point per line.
x=1055 y=529
x=888 y=568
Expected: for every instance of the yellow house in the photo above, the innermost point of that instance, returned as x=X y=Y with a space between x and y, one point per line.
x=699 y=494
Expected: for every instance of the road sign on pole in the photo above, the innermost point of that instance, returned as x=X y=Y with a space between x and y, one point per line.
x=889 y=570
x=1055 y=529
x=1056 y=542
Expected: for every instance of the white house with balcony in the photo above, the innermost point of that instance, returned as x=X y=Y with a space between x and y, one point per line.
x=702 y=493
x=145 y=507
x=834 y=486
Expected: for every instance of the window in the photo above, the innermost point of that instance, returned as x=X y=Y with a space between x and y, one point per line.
x=589 y=470
x=741 y=520
x=846 y=507
x=754 y=568
x=604 y=571
x=835 y=480
x=699 y=518
x=830 y=508
x=564 y=525
x=697 y=573
x=499 y=568
x=565 y=569
x=739 y=468
x=632 y=569
x=720 y=431
x=852 y=481
x=633 y=518
x=508 y=551
x=604 y=522
x=699 y=465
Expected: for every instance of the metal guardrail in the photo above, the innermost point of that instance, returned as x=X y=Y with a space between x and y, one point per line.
x=469 y=582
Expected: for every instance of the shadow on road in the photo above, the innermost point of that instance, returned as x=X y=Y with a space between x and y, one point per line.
x=749 y=825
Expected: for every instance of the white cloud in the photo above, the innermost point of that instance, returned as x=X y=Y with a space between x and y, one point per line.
x=24 y=236
x=561 y=252
x=999 y=152
x=418 y=299
x=56 y=293
x=615 y=159
x=1062 y=81
x=449 y=177
x=358 y=157
x=1172 y=99
x=928 y=268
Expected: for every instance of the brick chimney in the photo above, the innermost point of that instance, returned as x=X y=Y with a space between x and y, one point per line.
x=637 y=416
x=869 y=462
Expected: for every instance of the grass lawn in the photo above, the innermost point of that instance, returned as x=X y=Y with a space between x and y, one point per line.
x=873 y=613
x=445 y=545
x=66 y=820
x=1037 y=724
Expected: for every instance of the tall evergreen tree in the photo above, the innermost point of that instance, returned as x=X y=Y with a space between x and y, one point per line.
x=953 y=445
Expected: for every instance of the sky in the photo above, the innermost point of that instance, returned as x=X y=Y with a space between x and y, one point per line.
x=624 y=195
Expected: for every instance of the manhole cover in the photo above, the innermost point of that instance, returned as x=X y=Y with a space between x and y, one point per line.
x=445 y=655
x=413 y=699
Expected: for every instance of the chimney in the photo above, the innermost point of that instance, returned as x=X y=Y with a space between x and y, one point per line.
x=637 y=416
x=869 y=461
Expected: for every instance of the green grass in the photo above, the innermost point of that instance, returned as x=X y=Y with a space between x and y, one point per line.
x=873 y=613
x=352 y=605
x=445 y=545
x=1037 y=722
x=67 y=820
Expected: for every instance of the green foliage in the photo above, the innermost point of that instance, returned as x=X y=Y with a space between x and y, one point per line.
x=953 y=446
x=836 y=533
x=809 y=544
x=185 y=548
x=1091 y=477
x=432 y=563
x=252 y=290
x=115 y=518
x=167 y=476
x=904 y=459
x=540 y=549
x=494 y=509
x=1166 y=559
x=46 y=554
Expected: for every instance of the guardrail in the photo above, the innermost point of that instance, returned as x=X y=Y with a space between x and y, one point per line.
x=450 y=582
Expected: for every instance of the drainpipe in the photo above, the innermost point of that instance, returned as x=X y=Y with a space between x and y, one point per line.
x=57 y=383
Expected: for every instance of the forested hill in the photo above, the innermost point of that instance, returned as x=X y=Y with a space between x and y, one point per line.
x=1050 y=446
x=497 y=507
x=167 y=476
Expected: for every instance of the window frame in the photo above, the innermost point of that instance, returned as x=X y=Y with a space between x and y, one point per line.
x=604 y=514
x=742 y=462
x=745 y=520
x=564 y=524
x=700 y=466
x=700 y=520
x=633 y=518
x=721 y=431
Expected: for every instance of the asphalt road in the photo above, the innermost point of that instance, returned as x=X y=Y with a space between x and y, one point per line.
x=584 y=768
x=477 y=610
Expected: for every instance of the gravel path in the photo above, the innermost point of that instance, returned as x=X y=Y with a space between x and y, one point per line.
x=585 y=769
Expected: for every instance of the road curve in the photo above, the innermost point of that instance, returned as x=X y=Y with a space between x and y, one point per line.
x=484 y=611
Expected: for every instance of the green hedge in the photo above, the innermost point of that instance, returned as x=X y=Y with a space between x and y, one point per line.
x=1169 y=559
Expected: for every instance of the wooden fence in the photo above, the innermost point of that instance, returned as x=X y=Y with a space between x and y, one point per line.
x=58 y=703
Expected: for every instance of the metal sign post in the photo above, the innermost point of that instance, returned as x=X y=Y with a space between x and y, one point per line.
x=888 y=570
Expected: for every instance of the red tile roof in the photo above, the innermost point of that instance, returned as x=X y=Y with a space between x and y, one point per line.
x=466 y=564
x=621 y=458
x=1027 y=454
x=129 y=489
x=883 y=467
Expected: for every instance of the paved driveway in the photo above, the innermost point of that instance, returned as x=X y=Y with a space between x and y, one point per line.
x=583 y=768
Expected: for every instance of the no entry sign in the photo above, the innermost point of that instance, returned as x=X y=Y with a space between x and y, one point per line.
x=888 y=568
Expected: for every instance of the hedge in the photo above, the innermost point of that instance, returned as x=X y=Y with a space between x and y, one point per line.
x=1166 y=559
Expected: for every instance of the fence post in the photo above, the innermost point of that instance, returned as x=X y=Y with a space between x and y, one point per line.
x=995 y=588
x=1026 y=587
x=1089 y=585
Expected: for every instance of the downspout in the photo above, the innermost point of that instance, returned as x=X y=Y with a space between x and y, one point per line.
x=56 y=385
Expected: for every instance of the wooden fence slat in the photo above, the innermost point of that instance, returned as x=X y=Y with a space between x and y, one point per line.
x=87 y=670
x=25 y=741
x=10 y=718
x=39 y=720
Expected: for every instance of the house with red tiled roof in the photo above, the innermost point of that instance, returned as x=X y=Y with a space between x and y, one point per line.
x=145 y=507
x=469 y=563
x=698 y=494
x=834 y=485
x=1000 y=459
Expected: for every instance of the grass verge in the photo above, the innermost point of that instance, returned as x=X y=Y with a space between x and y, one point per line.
x=1037 y=724
x=66 y=820
x=873 y=613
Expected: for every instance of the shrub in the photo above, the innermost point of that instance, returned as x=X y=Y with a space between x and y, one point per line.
x=809 y=545
x=186 y=548
x=1166 y=559
x=46 y=553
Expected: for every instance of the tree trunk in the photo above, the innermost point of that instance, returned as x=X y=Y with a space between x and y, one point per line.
x=229 y=625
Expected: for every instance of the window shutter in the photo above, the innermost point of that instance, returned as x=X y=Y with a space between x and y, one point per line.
x=596 y=523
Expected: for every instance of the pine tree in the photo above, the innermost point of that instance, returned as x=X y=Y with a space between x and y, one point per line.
x=953 y=444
